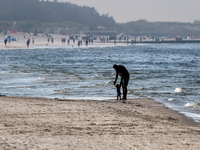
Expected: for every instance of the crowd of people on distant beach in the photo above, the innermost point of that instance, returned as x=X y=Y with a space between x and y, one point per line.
x=9 y=39
x=76 y=39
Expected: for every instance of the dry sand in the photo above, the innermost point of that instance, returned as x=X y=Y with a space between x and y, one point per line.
x=139 y=124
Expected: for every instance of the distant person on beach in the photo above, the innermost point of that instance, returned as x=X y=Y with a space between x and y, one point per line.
x=74 y=40
x=122 y=71
x=79 y=43
x=33 y=40
x=132 y=41
x=62 y=40
x=5 y=41
x=28 y=42
x=118 y=91
x=86 y=42
x=52 y=40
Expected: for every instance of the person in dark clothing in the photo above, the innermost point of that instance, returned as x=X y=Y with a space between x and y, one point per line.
x=122 y=71
x=79 y=43
x=52 y=40
x=86 y=42
x=5 y=41
x=28 y=42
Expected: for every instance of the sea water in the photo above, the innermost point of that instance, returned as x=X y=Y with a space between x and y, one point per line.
x=168 y=73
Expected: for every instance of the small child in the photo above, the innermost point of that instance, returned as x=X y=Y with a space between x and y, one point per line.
x=118 y=91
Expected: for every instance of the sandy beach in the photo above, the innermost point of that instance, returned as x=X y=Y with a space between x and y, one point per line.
x=139 y=124
x=40 y=40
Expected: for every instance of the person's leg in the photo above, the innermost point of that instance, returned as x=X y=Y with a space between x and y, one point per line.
x=124 y=87
x=124 y=92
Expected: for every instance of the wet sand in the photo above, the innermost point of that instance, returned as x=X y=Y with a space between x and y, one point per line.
x=139 y=124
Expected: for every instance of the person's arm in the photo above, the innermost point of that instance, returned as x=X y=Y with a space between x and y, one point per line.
x=115 y=78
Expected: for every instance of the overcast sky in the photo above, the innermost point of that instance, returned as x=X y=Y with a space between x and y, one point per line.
x=151 y=10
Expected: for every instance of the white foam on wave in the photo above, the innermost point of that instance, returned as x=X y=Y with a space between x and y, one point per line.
x=192 y=104
x=91 y=98
x=171 y=100
x=178 y=90
x=98 y=45
x=42 y=78
x=97 y=76
x=109 y=81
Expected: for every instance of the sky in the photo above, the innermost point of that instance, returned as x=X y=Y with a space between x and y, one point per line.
x=151 y=10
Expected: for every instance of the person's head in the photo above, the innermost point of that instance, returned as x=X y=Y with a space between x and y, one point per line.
x=114 y=66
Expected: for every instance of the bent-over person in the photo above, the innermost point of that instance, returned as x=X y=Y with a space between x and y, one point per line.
x=122 y=71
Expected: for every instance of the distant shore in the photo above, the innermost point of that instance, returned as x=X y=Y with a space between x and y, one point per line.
x=168 y=41
x=141 y=123
x=41 y=40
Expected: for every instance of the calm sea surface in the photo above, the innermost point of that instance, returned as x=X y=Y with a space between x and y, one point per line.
x=167 y=73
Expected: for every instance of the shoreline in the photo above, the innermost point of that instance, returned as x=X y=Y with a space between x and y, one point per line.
x=141 y=123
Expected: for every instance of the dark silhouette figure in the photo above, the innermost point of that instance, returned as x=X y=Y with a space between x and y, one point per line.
x=86 y=42
x=122 y=71
x=28 y=42
x=52 y=40
x=5 y=41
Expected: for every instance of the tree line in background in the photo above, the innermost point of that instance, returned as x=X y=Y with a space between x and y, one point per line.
x=143 y=27
x=45 y=11
x=38 y=15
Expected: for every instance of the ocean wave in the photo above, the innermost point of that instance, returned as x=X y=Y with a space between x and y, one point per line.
x=108 y=82
x=62 y=91
x=93 y=85
x=178 y=90
x=42 y=78
x=29 y=87
x=171 y=100
x=98 y=76
x=192 y=105
x=91 y=98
